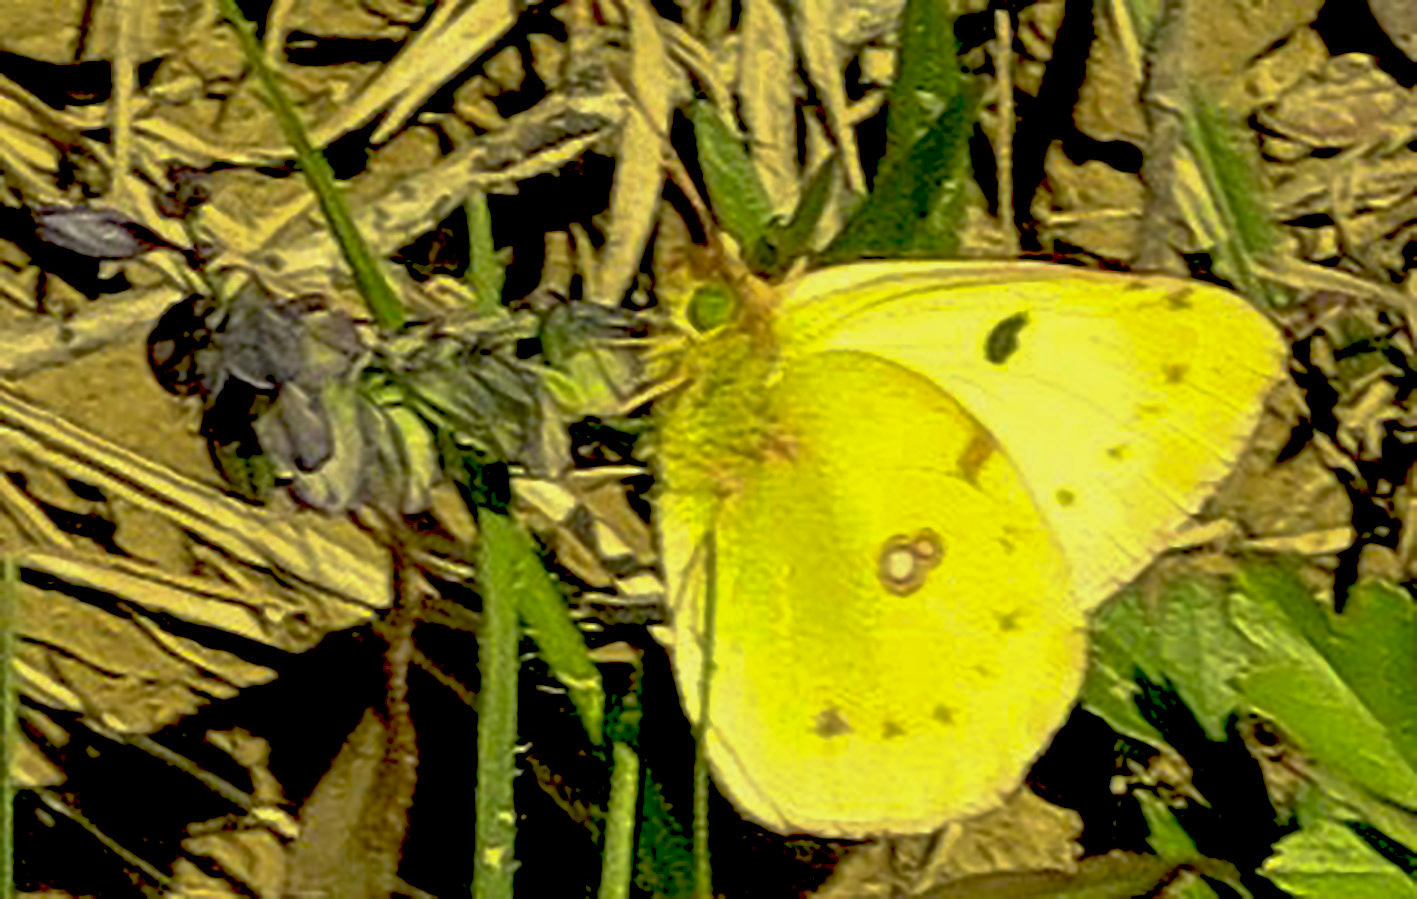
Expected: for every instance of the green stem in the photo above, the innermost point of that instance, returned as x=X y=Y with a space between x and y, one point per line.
x=498 y=642
x=617 y=859
x=383 y=303
x=703 y=869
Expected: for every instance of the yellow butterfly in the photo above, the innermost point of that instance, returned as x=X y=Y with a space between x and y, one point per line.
x=903 y=490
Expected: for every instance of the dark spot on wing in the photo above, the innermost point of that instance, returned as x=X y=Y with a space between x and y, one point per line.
x=1002 y=341
x=831 y=723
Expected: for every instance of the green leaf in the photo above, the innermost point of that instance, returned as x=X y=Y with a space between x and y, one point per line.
x=1183 y=637
x=1327 y=859
x=1167 y=838
x=929 y=77
x=915 y=206
x=1342 y=687
x=1235 y=185
x=784 y=243
x=739 y=199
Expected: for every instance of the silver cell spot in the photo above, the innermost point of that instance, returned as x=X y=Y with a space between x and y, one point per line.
x=906 y=560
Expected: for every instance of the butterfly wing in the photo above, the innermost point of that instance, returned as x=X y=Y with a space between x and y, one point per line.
x=1121 y=398
x=890 y=642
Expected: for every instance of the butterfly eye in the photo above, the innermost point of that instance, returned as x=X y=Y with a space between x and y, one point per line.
x=906 y=560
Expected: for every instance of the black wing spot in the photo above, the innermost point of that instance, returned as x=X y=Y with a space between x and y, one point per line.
x=1002 y=341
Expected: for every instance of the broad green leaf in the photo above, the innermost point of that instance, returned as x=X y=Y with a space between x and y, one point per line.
x=1328 y=860
x=915 y=204
x=913 y=208
x=1184 y=638
x=1342 y=687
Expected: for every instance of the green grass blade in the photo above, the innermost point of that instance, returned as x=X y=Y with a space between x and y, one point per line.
x=618 y=857
x=485 y=268
x=499 y=581
x=383 y=304
x=548 y=622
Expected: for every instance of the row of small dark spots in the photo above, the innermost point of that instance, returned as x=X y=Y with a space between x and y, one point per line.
x=831 y=723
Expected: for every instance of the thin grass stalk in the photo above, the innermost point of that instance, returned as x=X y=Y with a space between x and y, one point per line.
x=703 y=867
x=383 y=303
